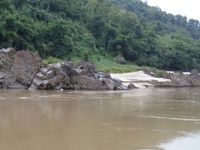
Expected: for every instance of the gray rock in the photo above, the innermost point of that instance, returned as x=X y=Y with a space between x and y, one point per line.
x=75 y=77
x=18 y=69
x=101 y=75
x=40 y=76
x=109 y=83
x=118 y=81
x=44 y=70
x=42 y=84
x=50 y=80
x=25 y=66
x=84 y=82
x=7 y=57
x=10 y=82
x=131 y=86
x=194 y=78
x=181 y=80
x=22 y=69
x=2 y=75
x=87 y=68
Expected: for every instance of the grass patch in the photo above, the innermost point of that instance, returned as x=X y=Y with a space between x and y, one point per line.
x=109 y=65
x=103 y=63
x=51 y=60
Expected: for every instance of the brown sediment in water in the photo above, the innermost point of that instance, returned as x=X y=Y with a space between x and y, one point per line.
x=80 y=120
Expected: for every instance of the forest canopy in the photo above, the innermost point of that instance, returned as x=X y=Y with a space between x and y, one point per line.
x=142 y=34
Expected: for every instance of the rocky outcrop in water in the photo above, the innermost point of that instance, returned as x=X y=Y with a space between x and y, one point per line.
x=68 y=76
x=18 y=68
x=22 y=69
x=181 y=80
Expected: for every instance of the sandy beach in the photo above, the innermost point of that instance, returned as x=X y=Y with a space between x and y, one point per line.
x=139 y=78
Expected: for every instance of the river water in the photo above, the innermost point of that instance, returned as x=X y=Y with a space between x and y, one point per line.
x=143 y=119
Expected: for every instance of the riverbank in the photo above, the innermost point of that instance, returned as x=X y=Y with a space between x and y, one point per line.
x=24 y=70
x=140 y=79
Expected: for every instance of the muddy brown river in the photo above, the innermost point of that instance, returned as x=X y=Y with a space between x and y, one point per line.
x=143 y=119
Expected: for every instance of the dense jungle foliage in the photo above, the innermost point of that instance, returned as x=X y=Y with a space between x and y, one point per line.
x=90 y=29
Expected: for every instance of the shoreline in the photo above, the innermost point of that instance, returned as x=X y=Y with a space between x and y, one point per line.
x=139 y=79
x=24 y=70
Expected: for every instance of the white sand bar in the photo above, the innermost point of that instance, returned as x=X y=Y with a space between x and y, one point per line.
x=139 y=78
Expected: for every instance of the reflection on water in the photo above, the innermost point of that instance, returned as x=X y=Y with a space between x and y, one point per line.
x=128 y=120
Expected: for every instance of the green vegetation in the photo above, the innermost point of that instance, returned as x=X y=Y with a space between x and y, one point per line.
x=51 y=60
x=103 y=63
x=99 y=31
x=113 y=67
x=107 y=64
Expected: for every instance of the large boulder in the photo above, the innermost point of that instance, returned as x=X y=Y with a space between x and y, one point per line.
x=18 y=68
x=82 y=82
x=86 y=77
x=181 y=80
x=25 y=66
x=176 y=81
x=194 y=78
x=131 y=86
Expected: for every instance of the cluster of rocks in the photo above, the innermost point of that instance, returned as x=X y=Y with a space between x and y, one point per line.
x=182 y=80
x=23 y=69
x=68 y=76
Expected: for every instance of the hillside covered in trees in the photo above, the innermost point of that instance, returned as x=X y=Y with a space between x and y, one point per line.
x=84 y=29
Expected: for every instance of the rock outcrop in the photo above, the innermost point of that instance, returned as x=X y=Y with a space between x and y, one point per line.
x=194 y=78
x=69 y=76
x=181 y=80
x=22 y=69
x=18 y=68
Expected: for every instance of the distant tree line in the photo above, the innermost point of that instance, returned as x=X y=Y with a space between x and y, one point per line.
x=66 y=28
